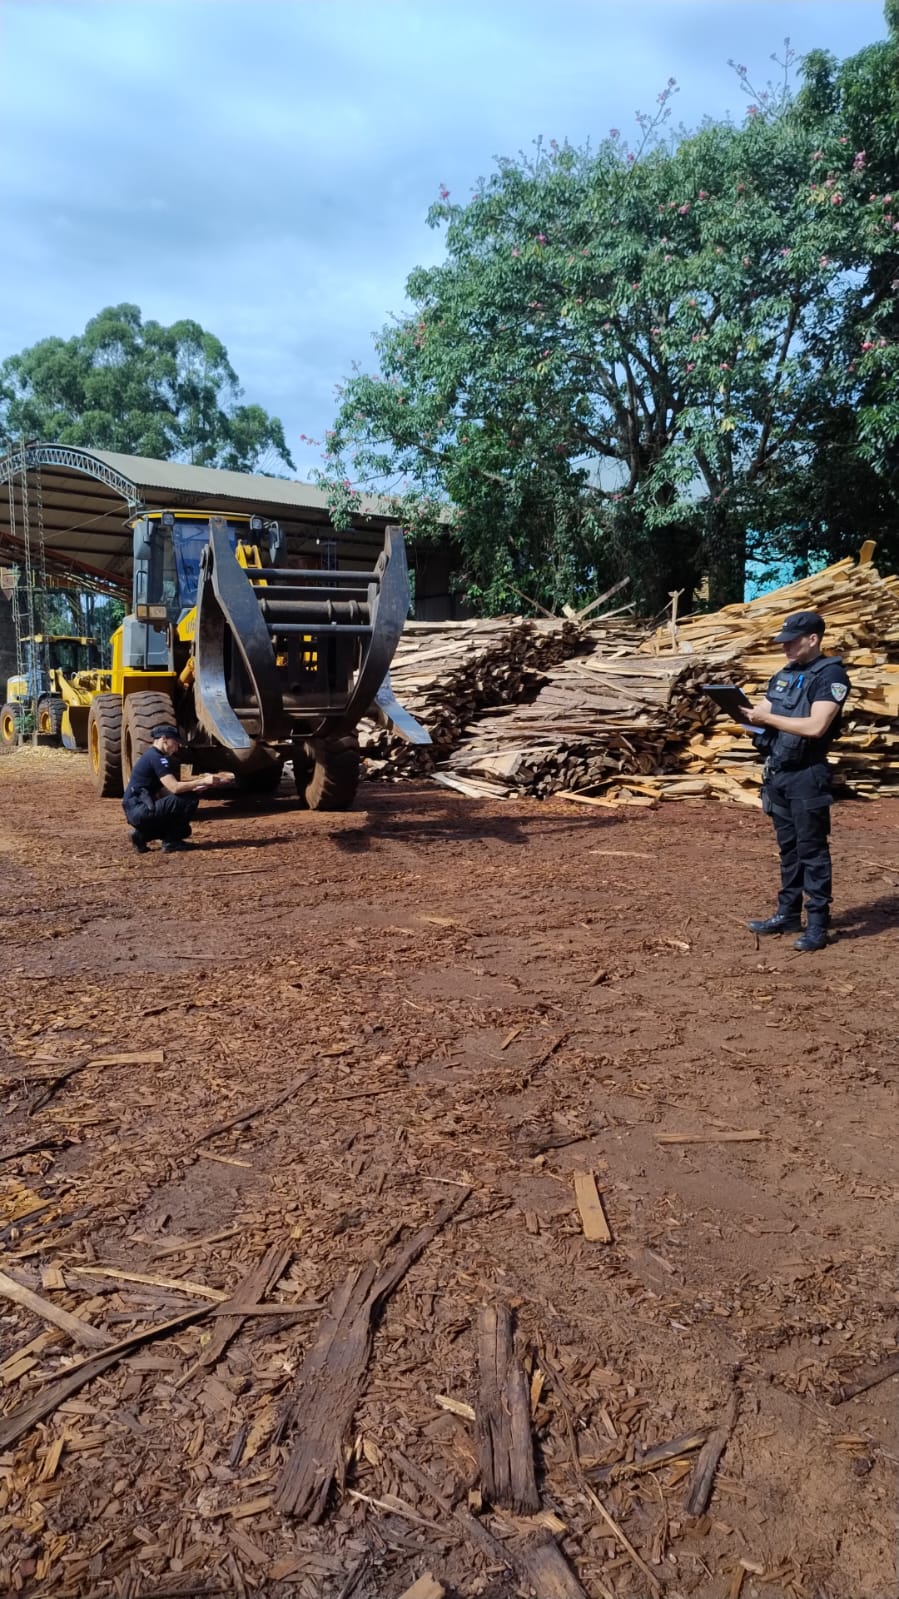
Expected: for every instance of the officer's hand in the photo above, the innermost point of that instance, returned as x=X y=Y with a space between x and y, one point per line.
x=223 y=779
x=755 y=715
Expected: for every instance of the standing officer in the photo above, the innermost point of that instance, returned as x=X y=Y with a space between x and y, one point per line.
x=156 y=802
x=801 y=714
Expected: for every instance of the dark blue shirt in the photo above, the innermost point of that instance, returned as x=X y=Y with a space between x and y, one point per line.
x=147 y=774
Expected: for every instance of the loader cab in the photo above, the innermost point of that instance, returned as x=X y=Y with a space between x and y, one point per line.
x=168 y=548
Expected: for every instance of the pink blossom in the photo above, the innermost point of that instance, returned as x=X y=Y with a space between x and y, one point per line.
x=836 y=199
x=585 y=252
x=516 y=252
x=784 y=251
x=668 y=258
x=888 y=199
x=817 y=155
x=868 y=344
x=703 y=195
x=631 y=157
x=741 y=188
x=690 y=365
x=746 y=261
x=544 y=354
x=444 y=192
x=683 y=209
x=858 y=164
x=635 y=285
x=718 y=250
x=896 y=227
x=872 y=196
x=541 y=238
x=724 y=366
x=753 y=111
x=824 y=261
x=844 y=138
x=614 y=133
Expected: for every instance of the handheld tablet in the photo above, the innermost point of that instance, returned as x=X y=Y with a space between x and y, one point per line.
x=729 y=697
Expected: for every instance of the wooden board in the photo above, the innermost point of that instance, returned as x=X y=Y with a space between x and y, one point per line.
x=593 y=1217
x=503 y=1416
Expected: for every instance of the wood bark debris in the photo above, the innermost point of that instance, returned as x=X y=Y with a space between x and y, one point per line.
x=331 y=1378
x=658 y=1455
x=81 y=1332
x=537 y=1561
x=860 y=1385
x=16 y=1423
x=426 y=1587
x=702 y=1481
x=249 y=1293
x=503 y=1416
x=253 y=1111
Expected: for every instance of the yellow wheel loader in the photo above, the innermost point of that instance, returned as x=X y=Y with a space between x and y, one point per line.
x=54 y=693
x=255 y=662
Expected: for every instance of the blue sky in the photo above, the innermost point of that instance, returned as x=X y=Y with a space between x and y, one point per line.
x=265 y=166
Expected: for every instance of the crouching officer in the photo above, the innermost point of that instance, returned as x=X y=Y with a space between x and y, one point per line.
x=157 y=804
x=801 y=715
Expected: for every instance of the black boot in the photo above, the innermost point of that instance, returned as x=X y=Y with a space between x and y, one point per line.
x=138 y=841
x=779 y=923
x=813 y=939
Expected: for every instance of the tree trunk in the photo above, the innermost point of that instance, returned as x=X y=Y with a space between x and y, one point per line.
x=725 y=559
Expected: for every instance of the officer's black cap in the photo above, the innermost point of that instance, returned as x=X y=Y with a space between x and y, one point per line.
x=165 y=730
x=800 y=623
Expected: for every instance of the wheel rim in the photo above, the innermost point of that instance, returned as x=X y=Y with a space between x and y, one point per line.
x=43 y=724
x=94 y=746
x=8 y=728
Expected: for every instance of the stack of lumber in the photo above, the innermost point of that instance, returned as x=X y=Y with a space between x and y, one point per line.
x=861 y=609
x=445 y=673
x=599 y=715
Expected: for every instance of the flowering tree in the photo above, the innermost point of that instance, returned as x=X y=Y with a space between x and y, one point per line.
x=630 y=356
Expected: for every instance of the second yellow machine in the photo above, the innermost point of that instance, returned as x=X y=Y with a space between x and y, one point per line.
x=254 y=662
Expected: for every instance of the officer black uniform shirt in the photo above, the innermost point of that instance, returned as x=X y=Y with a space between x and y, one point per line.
x=792 y=692
x=147 y=774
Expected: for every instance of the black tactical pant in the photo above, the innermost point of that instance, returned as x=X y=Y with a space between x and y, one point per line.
x=798 y=802
x=168 y=817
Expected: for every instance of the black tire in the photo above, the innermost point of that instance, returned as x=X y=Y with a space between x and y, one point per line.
x=104 y=744
x=49 y=717
x=335 y=775
x=12 y=722
x=263 y=780
x=142 y=713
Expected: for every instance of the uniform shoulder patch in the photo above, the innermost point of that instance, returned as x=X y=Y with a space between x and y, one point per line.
x=839 y=691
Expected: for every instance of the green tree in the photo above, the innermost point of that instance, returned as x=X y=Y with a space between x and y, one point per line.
x=142 y=389
x=629 y=358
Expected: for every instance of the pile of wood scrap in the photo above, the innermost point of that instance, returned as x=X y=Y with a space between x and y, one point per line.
x=445 y=673
x=861 y=609
x=600 y=715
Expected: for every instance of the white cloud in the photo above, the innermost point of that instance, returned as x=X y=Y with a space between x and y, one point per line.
x=265 y=166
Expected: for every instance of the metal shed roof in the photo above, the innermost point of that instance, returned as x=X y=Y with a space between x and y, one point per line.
x=87 y=497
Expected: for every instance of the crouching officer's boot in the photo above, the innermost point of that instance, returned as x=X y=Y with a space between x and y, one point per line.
x=814 y=937
x=779 y=923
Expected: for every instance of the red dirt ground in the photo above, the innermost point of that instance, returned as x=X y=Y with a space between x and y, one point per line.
x=391 y=952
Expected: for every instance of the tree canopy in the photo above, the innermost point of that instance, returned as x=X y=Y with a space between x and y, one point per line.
x=142 y=389
x=630 y=358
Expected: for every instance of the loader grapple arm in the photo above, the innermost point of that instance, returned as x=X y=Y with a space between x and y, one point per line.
x=283 y=654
